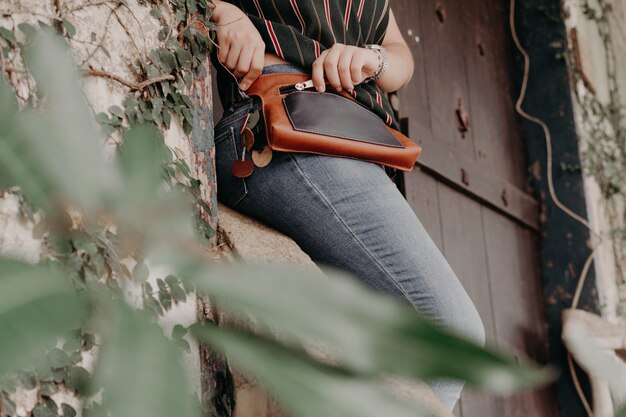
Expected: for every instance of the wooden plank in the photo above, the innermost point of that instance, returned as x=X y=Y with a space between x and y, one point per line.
x=446 y=80
x=413 y=98
x=497 y=134
x=520 y=324
x=464 y=248
x=421 y=193
x=472 y=178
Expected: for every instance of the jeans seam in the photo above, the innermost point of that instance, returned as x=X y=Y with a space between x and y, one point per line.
x=350 y=231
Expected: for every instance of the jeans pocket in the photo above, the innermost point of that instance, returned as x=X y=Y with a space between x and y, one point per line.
x=230 y=189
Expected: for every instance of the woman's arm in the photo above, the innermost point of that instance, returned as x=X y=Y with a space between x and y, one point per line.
x=345 y=66
x=241 y=48
x=400 y=68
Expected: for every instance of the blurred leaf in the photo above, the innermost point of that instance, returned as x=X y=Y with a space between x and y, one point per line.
x=37 y=305
x=602 y=363
x=373 y=332
x=305 y=386
x=59 y=146
x=140 y=160
x=69 y=28
x=141 y=370
x=622 y=413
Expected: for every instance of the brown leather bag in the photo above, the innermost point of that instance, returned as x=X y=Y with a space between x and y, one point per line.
x=300 y=119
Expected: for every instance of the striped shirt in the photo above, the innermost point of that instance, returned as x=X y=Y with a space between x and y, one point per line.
x=299 y=30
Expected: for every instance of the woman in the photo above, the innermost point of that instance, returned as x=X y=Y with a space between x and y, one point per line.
x=342 y=212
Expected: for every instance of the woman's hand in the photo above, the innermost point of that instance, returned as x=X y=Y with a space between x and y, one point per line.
x=241 y=48
x=344 y=67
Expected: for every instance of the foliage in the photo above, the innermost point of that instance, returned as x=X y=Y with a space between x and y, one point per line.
x=604 y=133
x=124 y=208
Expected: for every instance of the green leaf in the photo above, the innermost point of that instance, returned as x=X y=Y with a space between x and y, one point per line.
x=58 y=358
x=168 y=59
x=184 y=57
x=37 y=305
x=28 y=30
x=116 y=110
x=140 y=160
x=68 y=410
x=372 y=332
x=305 y=386
x=70 y=159
x=156 y=13
x=140 y=370
x=69 y=28
x=141 y=272
x=622 y=413
x=7 y=35
x=77 y=380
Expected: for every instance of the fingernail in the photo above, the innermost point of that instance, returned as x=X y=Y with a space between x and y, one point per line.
x=338 y=89
x=244 y=86
x=321 y=88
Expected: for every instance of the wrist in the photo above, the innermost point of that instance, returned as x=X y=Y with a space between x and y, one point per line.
x=381 y=63
x=220 y=11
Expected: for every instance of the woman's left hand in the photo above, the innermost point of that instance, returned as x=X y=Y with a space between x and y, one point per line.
x=344 y=67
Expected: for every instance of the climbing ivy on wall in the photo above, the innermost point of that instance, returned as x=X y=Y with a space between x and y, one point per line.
x=604 y=133
x=158 y=94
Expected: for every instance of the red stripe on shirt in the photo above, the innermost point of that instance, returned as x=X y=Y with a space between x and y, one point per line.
x=275 y=42
x=317 y=48
x=327 y=11
x=360 y=12
x=258 y=9
x=388 y=121
x=346 y=19
x=294 y=5
x=379 y=99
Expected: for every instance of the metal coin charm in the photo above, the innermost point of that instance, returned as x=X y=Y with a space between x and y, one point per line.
x=248 y=138
x=242 y=168
x=253 y=120
x=262 y=158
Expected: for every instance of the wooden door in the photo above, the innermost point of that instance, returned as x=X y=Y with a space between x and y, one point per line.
x=470 y=187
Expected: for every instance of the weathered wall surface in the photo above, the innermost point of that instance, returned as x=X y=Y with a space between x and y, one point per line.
x=597 y=34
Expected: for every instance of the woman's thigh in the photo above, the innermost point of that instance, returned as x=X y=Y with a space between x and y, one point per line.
x=348 y=214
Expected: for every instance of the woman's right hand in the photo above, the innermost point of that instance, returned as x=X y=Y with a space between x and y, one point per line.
x=241 y=48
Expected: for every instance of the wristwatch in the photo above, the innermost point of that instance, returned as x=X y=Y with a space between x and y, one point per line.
x=382 y=59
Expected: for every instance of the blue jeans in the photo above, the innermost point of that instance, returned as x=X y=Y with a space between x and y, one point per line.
x=348 y=214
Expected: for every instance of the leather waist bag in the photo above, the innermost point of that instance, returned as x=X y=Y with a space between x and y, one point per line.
x=300 y=119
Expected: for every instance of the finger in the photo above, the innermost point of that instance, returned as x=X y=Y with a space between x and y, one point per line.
x=317 y=74
x=244 y=62
x=258 y=59
x=343 y=68
x=356 y=68
x=330 y=68
x=233 y=57
x=224 y=48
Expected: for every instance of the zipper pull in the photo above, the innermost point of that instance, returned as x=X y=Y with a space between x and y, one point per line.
x=304 y=85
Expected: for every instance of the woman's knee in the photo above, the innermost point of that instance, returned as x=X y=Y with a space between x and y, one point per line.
x=466 y=321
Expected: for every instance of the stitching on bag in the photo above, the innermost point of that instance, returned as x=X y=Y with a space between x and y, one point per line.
x=371 y=116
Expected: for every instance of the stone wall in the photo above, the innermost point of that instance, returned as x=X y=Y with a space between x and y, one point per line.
x=597 y=35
